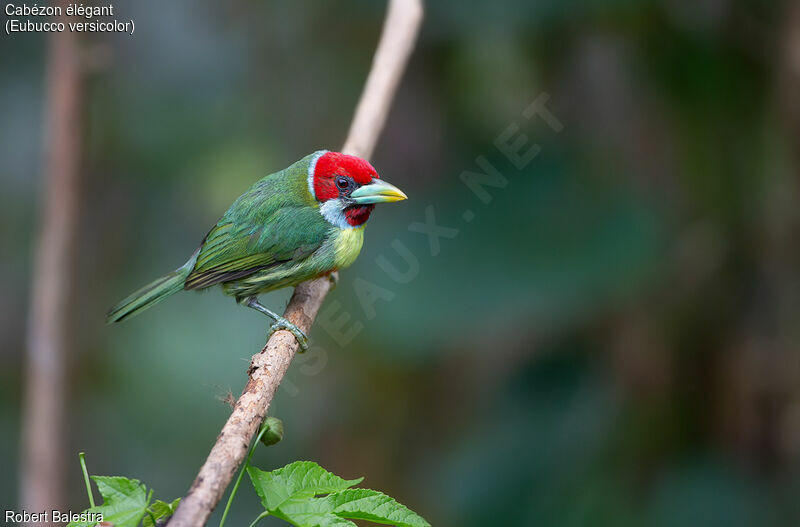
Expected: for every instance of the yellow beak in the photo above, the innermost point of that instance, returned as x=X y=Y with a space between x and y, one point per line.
x=378 y=191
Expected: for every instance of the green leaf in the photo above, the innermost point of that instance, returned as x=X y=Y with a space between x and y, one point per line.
x=374 y=506
x=303 y=511
x=290 y=493
x=354 y=504
x=310 y=512
x=159 y=509
x=298 y=479
x=124 y=502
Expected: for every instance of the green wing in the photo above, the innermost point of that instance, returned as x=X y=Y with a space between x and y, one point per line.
x=238 y=248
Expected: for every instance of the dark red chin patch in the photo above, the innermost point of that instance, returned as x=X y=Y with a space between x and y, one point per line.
x=358 y=215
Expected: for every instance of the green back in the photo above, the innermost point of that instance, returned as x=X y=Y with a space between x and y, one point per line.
x=276 y=221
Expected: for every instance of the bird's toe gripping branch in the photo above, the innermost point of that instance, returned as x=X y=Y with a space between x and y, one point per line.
x=280 y=322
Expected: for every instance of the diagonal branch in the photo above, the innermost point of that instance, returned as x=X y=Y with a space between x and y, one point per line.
x=268 y=367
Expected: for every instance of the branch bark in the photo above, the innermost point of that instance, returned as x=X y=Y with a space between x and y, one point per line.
x=42 y=445
x=268 y=367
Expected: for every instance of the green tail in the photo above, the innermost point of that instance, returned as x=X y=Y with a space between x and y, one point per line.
x=152 y=293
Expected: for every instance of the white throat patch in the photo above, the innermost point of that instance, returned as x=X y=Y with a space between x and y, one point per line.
x=333 y=211
x=311 y=167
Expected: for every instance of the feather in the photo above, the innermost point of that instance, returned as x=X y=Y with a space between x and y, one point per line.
x=274 y=225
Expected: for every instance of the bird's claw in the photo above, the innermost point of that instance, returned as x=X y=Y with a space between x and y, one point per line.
x=284 y=324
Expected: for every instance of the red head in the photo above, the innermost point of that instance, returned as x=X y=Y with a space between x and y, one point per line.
x=347 y=188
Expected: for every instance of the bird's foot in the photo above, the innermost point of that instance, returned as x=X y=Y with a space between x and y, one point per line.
x=282 y=323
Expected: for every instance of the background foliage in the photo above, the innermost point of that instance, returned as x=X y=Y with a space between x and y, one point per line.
x=611 y=341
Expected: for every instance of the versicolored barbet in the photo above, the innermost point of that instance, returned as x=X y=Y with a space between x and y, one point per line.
x=300 y=223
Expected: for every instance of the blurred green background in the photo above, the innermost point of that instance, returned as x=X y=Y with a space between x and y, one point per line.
x=612 y=340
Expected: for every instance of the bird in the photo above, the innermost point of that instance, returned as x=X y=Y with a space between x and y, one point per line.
x=302 y=222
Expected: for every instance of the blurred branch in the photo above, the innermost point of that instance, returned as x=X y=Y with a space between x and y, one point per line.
x=268 y=367
x=789 y=71
x=397 y=41
x=42 y=444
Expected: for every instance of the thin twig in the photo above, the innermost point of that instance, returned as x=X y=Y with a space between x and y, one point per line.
x=268 y=367
x=82 y=459
x=42 y=441
x=241 y=475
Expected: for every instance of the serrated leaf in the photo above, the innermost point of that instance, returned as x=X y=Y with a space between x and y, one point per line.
x=158 y=510
x=124 y=502
x=304 y=511
x=374 y=506
x=310 y=512
x=298 y=479
x=354 y=504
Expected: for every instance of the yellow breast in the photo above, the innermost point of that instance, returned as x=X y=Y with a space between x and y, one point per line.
x=347 y=246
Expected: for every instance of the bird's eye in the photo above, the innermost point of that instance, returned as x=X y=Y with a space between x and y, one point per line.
x=342 y=182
